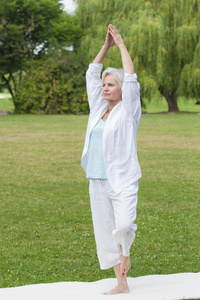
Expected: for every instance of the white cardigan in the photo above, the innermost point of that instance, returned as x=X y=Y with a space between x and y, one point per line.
x=119 y=136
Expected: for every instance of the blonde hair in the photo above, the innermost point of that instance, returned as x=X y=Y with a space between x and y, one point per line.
x=118 y=74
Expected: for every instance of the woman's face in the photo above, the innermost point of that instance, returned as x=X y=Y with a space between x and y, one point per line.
x=111 y=90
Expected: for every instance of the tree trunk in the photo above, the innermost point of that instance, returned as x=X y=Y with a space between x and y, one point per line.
x=172 y=102
x=7 y=81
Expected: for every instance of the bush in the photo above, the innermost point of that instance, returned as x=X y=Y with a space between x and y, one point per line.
x=54 y=86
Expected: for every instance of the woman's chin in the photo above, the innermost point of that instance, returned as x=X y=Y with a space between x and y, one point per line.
x=106 y=98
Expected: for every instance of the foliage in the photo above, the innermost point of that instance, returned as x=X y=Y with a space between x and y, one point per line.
x=56 y=85
x=28 y=29
x=161 y=36
x=155 y=106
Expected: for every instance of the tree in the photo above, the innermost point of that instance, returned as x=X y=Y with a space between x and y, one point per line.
x=28 y=30
x=161 y=36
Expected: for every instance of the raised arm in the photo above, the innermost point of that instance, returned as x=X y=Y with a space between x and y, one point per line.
x=93 y=80
x=109 y=42
x=130 y=89
x=126 y=59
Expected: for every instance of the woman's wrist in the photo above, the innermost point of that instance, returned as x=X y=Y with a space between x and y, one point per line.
x=101 y=55
x=122 y=46
x=105 y=47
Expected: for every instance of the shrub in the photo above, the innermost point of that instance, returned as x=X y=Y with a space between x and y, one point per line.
x=54 y=86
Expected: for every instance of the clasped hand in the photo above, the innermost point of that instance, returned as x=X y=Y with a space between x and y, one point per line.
x=113 y=37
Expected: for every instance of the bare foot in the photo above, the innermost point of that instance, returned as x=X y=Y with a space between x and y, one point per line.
x=119 y=289
x=125 y=264
x=122 y=286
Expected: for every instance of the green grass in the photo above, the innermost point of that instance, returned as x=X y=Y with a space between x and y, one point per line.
x=6 y=103
x=46 y=231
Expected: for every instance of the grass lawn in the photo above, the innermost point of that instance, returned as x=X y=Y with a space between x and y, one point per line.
x=46 y=231
x=6 y=103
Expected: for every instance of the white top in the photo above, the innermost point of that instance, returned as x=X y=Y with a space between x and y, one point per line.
x=119 y=136
x=95 y=165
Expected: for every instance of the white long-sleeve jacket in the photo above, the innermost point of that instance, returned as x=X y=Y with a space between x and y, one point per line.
x=119 y=136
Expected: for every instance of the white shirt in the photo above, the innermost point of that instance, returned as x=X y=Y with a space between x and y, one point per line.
x=119 y=136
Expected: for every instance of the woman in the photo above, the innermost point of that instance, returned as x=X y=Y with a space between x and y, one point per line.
x=110 y=158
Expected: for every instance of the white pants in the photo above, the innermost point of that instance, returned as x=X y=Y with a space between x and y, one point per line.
x=113 y=220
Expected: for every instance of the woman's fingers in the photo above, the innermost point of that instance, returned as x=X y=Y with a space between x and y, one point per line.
x=116 y=36
x=125 y=265
x=113 y=37
x=113 y=29
x=109 y=39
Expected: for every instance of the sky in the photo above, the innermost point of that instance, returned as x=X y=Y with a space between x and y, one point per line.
x=69 y=5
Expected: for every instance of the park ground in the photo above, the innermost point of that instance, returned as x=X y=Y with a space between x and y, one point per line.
x=46 y=226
